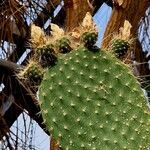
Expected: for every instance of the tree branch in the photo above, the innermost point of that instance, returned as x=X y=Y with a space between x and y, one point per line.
x=8 y=66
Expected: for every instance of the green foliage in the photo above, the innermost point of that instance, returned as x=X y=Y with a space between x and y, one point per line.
x=120 y=47
x=90 y=100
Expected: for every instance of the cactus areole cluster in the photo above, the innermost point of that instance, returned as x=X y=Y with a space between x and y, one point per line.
x=120 y=47
x=90 y=100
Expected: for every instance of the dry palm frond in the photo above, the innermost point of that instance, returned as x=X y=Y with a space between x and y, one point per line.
x=11 y=12
x=16 y=17
x=11 y=23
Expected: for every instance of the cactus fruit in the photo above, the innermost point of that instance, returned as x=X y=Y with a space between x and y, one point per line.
x=47 y=55
x=120 y=47
x=64 y=45
x=90 y=100
x=33 y=72
x=89 y=39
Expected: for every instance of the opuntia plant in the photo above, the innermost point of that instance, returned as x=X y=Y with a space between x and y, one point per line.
x=91 y=100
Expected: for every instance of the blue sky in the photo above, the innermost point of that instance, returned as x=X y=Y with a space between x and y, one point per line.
x=101 y=19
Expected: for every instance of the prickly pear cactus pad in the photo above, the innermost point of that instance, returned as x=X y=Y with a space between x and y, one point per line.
x=90 y=100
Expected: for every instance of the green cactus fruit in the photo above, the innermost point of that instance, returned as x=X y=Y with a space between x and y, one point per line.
x=34 y=73
x=90 y=100
x=120 y=47
x=64 y=45
x=47 y=55
x=89 y=39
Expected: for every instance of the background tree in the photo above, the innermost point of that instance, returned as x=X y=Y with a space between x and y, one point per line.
x=15 y=49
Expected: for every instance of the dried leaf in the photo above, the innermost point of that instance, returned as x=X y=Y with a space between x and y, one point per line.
x=76 y=33
x=56 y=30
x=120 y=2
x=125 y=30
x=88 y=23
x=37 y=36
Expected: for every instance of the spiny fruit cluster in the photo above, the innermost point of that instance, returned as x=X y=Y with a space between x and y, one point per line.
x=64 y=45
x=47 y=55
x=120 y=47
x=90 y=100
x=89 y=39
x=34 y=73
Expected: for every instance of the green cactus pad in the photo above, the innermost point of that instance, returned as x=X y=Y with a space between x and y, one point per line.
x=120 y=47
x=90 y=100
